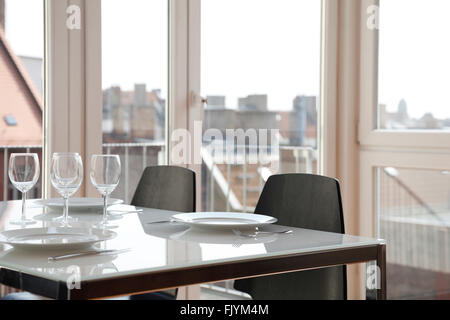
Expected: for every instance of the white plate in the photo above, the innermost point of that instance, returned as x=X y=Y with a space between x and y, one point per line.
x=223 y=220
x=55 y=238
x=77 y=204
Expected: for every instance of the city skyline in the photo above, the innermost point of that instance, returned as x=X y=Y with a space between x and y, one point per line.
x=424 y=94
x=226 y=105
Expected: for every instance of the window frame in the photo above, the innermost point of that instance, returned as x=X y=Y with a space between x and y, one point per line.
x=72 y=60
x=411 y=149
x=184 y=78
x=184 y=99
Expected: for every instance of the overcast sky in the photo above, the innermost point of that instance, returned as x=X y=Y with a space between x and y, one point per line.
x=262 y=46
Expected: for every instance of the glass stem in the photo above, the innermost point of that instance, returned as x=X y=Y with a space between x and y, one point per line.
x=24 y=205
x=66 y=210
x=105 y=208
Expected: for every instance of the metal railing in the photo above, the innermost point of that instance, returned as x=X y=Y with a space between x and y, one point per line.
x=417 y=233
x=107 y=147
x=133 y=164
x=135 y=158
x=413 y=197
x=222 y=179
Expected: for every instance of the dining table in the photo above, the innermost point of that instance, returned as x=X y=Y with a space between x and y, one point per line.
x=151 y=253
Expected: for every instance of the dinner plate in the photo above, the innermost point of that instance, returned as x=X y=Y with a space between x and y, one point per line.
x=223 y=220
x=77 y=204
x=55 y=238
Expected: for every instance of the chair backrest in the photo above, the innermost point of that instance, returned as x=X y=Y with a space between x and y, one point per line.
x=309 y=202
x=166 y=188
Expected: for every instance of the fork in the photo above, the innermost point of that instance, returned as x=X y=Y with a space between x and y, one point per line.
x=256 y=233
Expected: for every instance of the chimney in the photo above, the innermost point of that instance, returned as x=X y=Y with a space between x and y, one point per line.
x=2 y=14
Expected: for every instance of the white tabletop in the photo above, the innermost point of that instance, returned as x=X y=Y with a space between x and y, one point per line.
x=157 y=247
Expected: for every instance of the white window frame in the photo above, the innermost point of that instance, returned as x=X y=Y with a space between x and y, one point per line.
x=74 y=94
x=407 y=149
x=328 y=89
x=72 y=86
x=327 y=134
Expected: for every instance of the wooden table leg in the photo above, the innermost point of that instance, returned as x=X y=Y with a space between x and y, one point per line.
x=381 y=263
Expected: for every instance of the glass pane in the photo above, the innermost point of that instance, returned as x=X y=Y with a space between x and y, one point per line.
x=260 y=71
x=21 y=86
x=414 y=218
x=135 y=69
x=414 y=65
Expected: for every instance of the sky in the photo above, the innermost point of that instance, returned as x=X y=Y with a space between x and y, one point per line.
x=248 y=47
x=262 y=47
x=414 y=55
x=134 y=43
x=25 y=27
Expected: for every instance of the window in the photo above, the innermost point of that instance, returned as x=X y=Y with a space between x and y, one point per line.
x=135 y=86
x=21 y=85
x=259 y=72
x=11 y=121
x=405 y=150
x=413 y=65
x=414 y=219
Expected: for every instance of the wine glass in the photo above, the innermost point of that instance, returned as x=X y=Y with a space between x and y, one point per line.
x=66 y=175
x=105 y=176
x=24 y=173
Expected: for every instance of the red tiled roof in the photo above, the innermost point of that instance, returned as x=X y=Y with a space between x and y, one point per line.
x=18 y=98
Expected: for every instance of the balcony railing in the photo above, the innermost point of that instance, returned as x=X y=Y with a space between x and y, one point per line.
x=136 y=157
x=125 y=150
x=220 y=180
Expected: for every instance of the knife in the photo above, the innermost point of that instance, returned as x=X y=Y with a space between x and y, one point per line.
x=164 y=221
x=87 y=253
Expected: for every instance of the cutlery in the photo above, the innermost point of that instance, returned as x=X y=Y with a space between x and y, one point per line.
x=256 y=233
x=87 y=253
x=164 y=221
x=125 y=211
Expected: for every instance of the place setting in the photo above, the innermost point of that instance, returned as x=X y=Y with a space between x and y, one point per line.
x=218 y=228
x=61 y=261
x=74 y=234
x=83 y=210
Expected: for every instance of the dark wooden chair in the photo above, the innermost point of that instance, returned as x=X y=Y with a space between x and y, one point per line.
x=166 y=188
x=309 y=202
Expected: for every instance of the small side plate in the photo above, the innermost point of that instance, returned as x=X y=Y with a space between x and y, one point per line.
x=55 y=238
x=77 y=204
